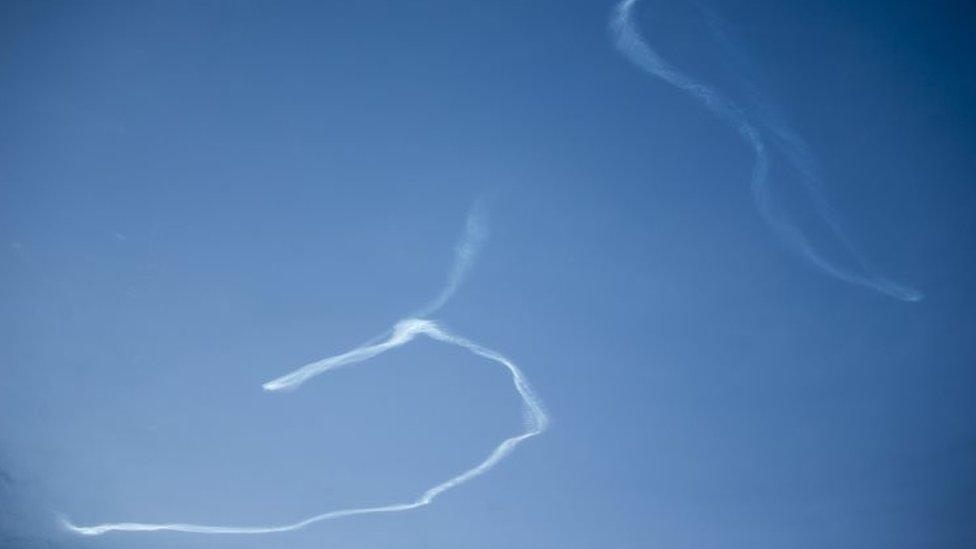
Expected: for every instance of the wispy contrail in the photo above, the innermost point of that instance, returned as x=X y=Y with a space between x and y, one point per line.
x=632 y=45
x=402 y=333
x=796 y=151
x=467 y=250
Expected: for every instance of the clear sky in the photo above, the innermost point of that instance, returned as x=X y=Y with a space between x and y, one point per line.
x=198 y=197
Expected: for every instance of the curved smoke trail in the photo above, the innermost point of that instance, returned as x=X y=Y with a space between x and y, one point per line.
x=795 y=150
x=467 y=250
x=402 y=333
x=632 y=45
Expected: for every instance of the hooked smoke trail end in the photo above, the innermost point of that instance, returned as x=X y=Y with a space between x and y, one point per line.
x=467 y=250
x=632 y=45
x=536 y=420
x=465 y=253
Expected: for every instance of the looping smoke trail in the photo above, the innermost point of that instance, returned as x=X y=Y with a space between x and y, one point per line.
x=402 y=333
x=632 y=45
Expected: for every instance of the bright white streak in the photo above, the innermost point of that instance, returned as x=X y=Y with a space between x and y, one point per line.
x=536 y=422
x=632 y=45
x=402 y=333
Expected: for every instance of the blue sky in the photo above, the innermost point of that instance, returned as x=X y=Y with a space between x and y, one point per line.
x=196 y=198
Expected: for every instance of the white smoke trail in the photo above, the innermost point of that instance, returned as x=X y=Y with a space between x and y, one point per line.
x=465 y=253
x=632 y=45
x=467 y=250
x=402 y=333
x=797 y=152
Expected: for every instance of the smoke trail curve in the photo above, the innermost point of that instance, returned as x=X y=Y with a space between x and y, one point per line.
x=632 y=45
x=467 y=250
x=536 y=420
x=465 y=253
x=796 y=151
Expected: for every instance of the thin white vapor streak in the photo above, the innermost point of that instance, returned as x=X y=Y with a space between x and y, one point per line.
x=632 y=45
x=794 y=149
x=402 y=333
x=467 y=250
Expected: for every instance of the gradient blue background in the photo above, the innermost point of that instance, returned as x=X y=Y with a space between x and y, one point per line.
x=198 y=197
